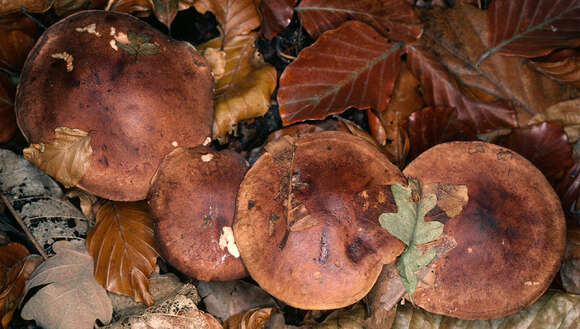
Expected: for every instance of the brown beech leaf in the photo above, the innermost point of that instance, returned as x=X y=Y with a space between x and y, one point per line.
x=67 y=158
x=440 y=88
x=252 y=319
x=31 y=6
x=561 y=67
x=545 y=145
x=18 y=34
x=569 y=191
x=458 y=36
x=236 y=17
x=435 y=125
x=532 y=28
x=394 y=141
x=123 y=248
x=352 y=66
x=570 y=269
x=165 y=10
x=246 y=84
x=567 y=113
x=276 y=15
x=8 y=125
x=66 y=7
x=394 y=19
x=135 y=7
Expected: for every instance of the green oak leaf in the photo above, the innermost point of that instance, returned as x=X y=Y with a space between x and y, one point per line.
x=409 y=226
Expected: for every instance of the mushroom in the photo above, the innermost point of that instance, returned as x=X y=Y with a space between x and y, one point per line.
x=133 y=91
x=307 y=219
x=510 y=236
x=192 y=201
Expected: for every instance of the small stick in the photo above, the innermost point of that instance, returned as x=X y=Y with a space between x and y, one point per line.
x=21 y=223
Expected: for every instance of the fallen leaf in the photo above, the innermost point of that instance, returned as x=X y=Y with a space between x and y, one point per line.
x=553 y=310
x=89 y=203
x=18 y=34
x=532 y=28
x=433 y=3
x=253 y=319
x=394 y=139
x=451 y=199
x=276 y=15
x=246 y=86
x=570 y=269
x=138 y=44
x=66 y=7
x=352 y=66
x=383 y=298
x=8 y=125
x=545 y=145
x=435 y=125
x=67 y=158
x=565 y=70
x=31 y=6
x=135 y=7
x=567 y=113
x=394 y=19
x=440 y=88
x=352 y=318
x=236 y=17
x=569 y=191
x=40 y=202
x=165 y=10
x=66 y=283
x=123 y=248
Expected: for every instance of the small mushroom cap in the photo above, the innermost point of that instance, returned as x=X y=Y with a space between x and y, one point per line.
x=192 y=201
x=510 y=236
x=304 y=220
x=136 y=100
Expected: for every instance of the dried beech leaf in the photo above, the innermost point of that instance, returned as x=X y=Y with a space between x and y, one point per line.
x=439 y=88
x=135 y=7
x=569 y=191
x=165 y=10
x=352 y=318
x=545 y=145
x=67 y=284
x=8 y=125
x=31 y=6
x=532 y=28
x=66 y=7
x=394 y=19
x=396 y=140
x=458 y=36
x=350 y=66
x=18 y=34
x=244 y=90
x=565 y=70
x=450 y=198
x=553 y=310
x=236 y=17
x=567 y=113
x=67 y=158
x=123 y=248
x=276 y=15
x=88 y=202
x=253 y=319
x=570 y=269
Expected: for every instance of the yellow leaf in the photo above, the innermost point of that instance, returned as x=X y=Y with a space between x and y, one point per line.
x=567 y=112
x=245 y=87
x=66 y=159
x=236 y=17
x=123 y=248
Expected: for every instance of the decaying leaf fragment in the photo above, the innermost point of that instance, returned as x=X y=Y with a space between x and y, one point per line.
x=124 y=250
x=245 y=87
x=67 y=158
x=68 y=284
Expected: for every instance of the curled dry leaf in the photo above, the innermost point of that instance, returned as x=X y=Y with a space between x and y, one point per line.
x=276 y=15
x=135 y=7
x=31 y=6
x=236 y=17
x=66 y=283
x=567 y=113
x=553 y=310
x=545 y=145
x=253 y=319
x=532 y=28
x=123 y=248
x=565 y=70
x=394 y=19
x=350 y=66
x=246 y=85
x=67 y=158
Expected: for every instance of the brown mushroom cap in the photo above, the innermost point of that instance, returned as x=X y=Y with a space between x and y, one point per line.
x=302 y=224
x=192 y=201
x=136 y=107
x=510 y=236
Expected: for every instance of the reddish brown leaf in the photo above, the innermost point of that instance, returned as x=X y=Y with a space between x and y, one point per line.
x=165 y=10
x=350 y=66
x=236 y=17
x=32 y=6
x=564 y=69
x=123 y=249
x=569 y=191
x=545 y=145
x=570 y=269
x=276 y=15
x=435 y=125
x=7 y=118
x=394 y=19
x=440 y=88
x=532 y=28
x=17 y=36
x=135 y=7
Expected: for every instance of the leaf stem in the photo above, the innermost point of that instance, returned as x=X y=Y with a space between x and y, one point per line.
x=21 y=223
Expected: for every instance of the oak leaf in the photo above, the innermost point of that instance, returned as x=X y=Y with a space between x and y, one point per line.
x=123 y=247
x=394 y=19
x=567 y=113
x=350 y=66
x=236 y=17
x=246 y=85
x=276 y=15
x=66 y=283
x=67 y=158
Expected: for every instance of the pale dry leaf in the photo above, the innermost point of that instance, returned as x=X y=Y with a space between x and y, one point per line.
x=67 y=158
x=236 y=17
x=67 y=284
x=567 y=113
x=450 y=198
x=123 y=248
x=217 y=61
x=246 y=86
x=87 y=201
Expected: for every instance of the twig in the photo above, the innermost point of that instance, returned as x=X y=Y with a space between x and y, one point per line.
x=21 y=223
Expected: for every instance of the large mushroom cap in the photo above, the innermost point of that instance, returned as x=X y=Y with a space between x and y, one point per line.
x=135 y=91
x=305 y=224
x=510 y=236
x=192 y=200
